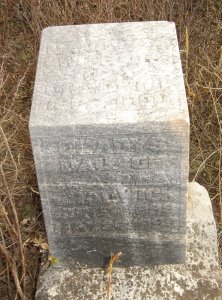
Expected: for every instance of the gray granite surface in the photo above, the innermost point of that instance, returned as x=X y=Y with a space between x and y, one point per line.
x=110 y=128
x=200 y=278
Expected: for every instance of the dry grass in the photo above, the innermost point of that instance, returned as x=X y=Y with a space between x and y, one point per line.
x=199 y=26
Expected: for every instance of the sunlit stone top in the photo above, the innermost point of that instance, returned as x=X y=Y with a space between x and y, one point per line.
x=109 y=74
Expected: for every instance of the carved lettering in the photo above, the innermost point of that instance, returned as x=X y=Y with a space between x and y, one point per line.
x=111 y=183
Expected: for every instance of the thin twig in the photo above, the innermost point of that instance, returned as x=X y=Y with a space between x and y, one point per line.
x=12 y=158
x=187 y=53
x=203 y=163
x=8 y=222
x=7 y=266
x=9 y=194
x=17 y=91
x=220 y=154
x=114 y=258
x=12 y=265
x=17 y=228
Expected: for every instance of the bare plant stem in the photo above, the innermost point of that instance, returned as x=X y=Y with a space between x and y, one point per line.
x=8 y=224
x=9 y=151
x=10 y=197
x=203 y=163
x=114 y=258
x=220 y=154
x=7 y=266
x=13 y=269
x=17 y=228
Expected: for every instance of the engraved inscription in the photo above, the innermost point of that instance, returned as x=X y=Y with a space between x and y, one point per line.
x=137 y=210
x=141 y=87
x=145 y=160
x=106 y=183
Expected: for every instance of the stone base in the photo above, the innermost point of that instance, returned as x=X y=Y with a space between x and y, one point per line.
x=200 y=278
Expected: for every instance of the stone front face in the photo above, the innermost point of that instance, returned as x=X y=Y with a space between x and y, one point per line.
x=112 y=174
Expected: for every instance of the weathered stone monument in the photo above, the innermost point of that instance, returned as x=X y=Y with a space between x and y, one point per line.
x=109 y=128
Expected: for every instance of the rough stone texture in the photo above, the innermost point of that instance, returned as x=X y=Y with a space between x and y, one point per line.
x=109 y=127
x=200 y=278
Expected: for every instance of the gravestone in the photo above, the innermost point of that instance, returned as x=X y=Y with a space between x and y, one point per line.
x=109 y=128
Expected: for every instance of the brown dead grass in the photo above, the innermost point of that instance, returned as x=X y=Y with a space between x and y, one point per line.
x=199 y=26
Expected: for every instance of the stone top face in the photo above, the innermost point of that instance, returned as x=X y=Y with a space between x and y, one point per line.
x=114 y=73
